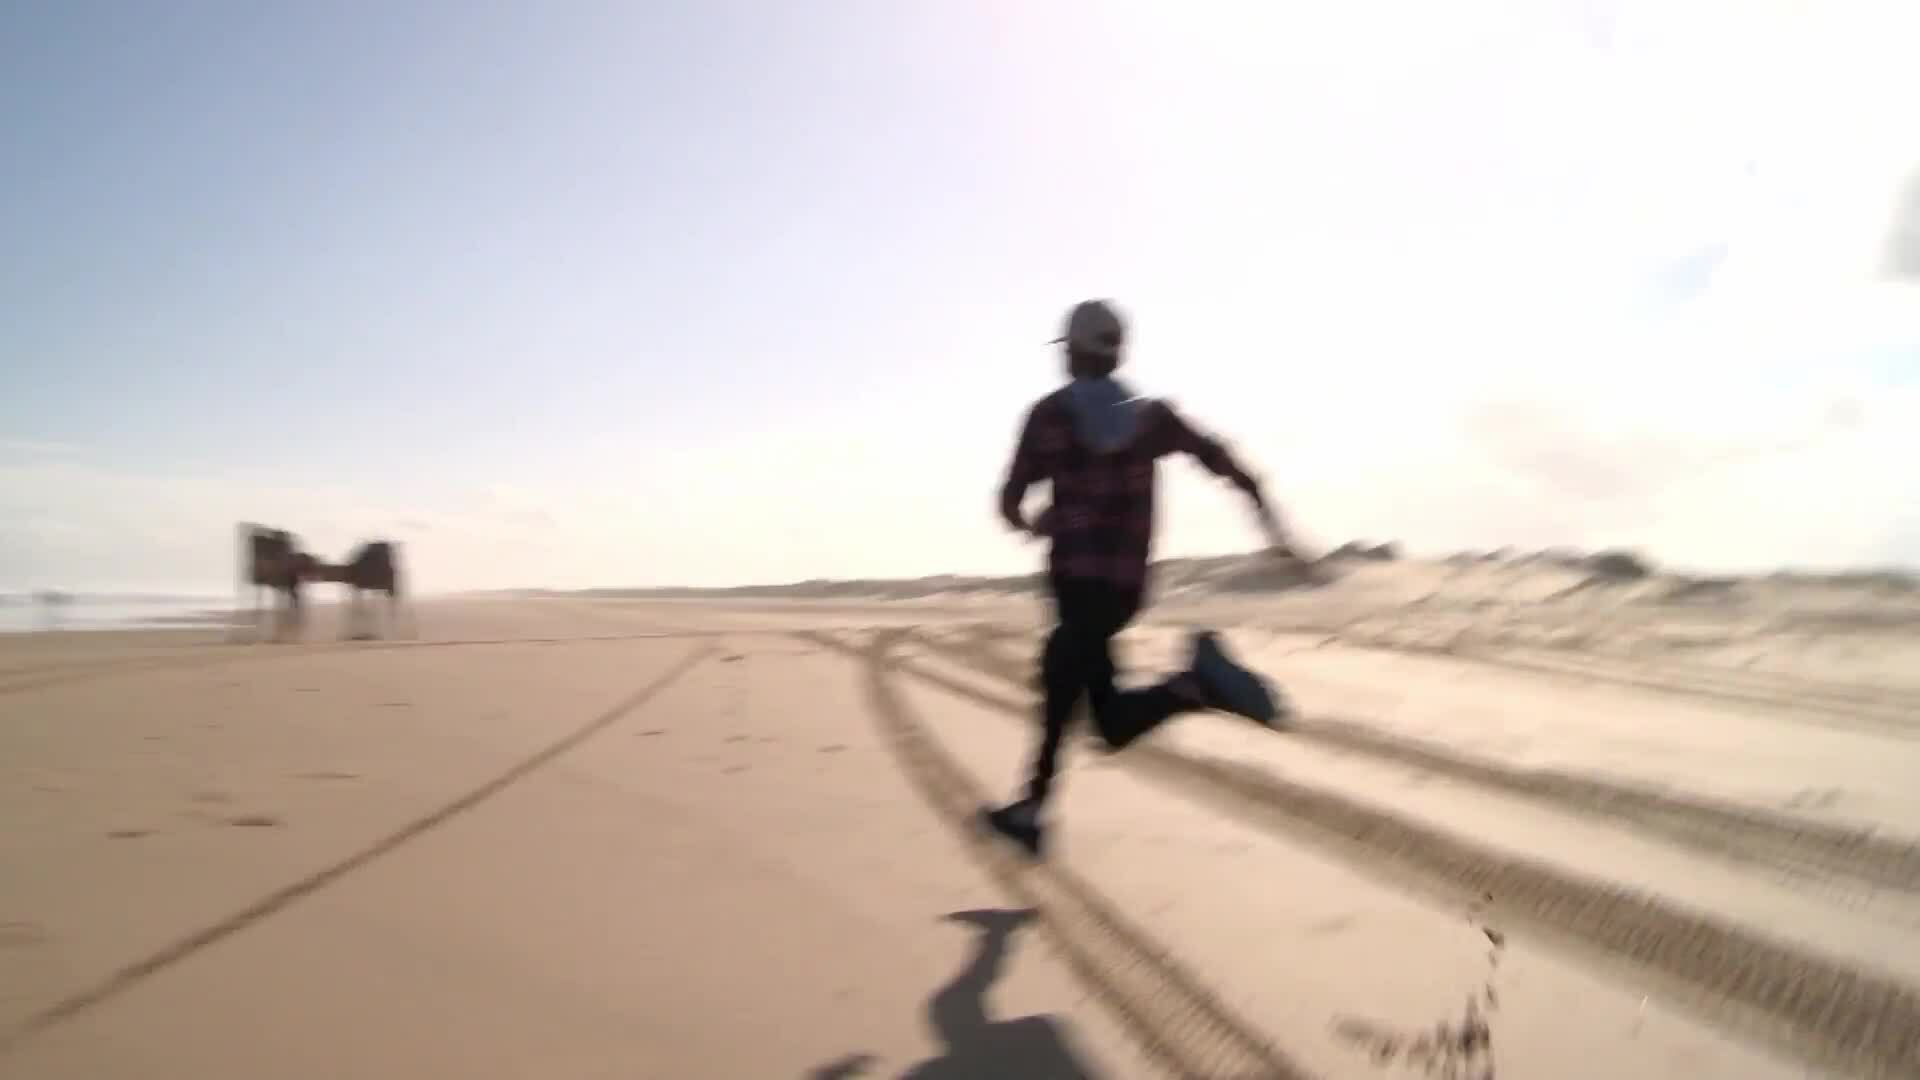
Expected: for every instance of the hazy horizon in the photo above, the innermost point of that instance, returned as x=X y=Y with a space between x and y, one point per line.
x=736 y=293
x=216 y=593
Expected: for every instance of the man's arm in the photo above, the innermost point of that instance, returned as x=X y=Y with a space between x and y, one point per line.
x=1022 y=473
x=1218 y=460
x=1212 y=455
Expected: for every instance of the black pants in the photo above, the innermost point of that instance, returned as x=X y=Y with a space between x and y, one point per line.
x=1078 y=661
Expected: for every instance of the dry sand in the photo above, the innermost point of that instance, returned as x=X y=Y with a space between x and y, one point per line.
x=1515 y=829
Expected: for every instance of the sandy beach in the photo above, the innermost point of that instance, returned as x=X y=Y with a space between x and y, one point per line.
x=1520 y=828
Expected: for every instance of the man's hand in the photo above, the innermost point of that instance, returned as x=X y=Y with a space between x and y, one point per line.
x=1042 y=526
x=1035 y=529
x=1279 y=543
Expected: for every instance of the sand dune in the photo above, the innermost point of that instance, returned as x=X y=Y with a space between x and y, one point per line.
x=1527 y=821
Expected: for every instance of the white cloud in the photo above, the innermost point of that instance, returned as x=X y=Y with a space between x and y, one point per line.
x=36 y=449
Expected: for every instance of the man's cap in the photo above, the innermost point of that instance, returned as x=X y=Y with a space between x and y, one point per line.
x=1093 y=327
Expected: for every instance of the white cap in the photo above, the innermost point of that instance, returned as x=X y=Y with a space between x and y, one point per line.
x=1094 y=327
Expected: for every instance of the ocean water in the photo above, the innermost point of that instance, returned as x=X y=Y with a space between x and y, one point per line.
x=23 y=614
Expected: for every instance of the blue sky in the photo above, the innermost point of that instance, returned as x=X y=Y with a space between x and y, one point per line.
x=714 y=292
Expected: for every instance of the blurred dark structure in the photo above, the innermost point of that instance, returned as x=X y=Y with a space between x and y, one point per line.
x=269 y=559
x=374 y=567
x=272 y=559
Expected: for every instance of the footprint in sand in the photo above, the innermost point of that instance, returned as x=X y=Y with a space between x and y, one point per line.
x=846 y=1068
x=254 y=821
x=650 y=732
x=23 y=935
x=833 y=748
x=1814 y=799
x=1334 y=925
x=327 y=775
x=1462 y=1048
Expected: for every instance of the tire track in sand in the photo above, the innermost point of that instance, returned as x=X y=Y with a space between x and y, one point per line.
x=1884 y=710
x=1807 y=703
x=1180 y=1024
x=1818 y=1009
x=138 y=972
x=81 y=671
x=1713 y=826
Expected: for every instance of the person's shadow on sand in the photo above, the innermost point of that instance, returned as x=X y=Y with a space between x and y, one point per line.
x=977 y=1046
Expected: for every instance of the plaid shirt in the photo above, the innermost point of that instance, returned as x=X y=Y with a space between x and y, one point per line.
x=1101 y=520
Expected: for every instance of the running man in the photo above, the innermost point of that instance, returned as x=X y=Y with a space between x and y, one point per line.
x=1096 y=443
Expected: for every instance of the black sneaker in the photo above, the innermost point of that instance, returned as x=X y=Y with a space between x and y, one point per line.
x=1017 y=824
x=1227 y=686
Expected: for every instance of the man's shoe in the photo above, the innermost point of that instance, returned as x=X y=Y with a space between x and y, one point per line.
x=1229 y=687
x=1018 y=822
